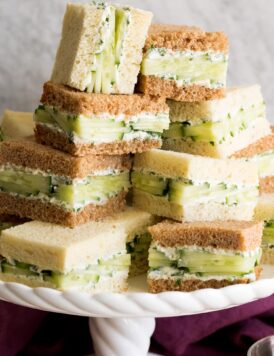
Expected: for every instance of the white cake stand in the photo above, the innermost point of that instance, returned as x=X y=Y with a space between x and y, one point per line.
x=122 y=324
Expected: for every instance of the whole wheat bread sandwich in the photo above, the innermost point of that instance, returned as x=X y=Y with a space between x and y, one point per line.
x=262 y=153
x=191 y=256
x=265 y=211
x=218 y=128
x=101 y=47
x=85 y=123
x=90 y=258
x=187 y=187
x=184 y=63
x=41 y=183
x=16 y=124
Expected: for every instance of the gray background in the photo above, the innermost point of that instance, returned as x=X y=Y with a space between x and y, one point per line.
x=30 y=31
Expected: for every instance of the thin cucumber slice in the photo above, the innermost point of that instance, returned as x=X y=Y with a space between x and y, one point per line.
x=149 y=183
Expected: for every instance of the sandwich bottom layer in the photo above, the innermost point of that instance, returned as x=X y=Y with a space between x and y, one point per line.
x=267 y=185
x=162 y=87
x=176 y=284
x=36 y=209
x=116 y=283
x=47 y=136
x=222 y=150
x=268 y=256
x=206 y=211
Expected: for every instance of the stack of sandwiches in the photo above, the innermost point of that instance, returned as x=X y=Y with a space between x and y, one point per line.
x=131 y=105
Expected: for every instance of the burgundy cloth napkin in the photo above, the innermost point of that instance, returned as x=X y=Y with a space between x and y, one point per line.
x=230 y=332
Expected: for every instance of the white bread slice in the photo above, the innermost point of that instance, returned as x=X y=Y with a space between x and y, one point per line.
x=197 y=168
x=60 y=248
x=78 y=45
x=216 y=110
x=265 y=207
x=257 y=130
x=117 y=283
x=15 y=124
x=209 y=211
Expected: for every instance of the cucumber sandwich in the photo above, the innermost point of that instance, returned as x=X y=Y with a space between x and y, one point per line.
x=265 y=211
x=90 y=258
x=84 y=123
x=101 y=47
x=136 y=223
x=262 y=153
x=185 y=187
x=187 y=257
x=184 y=63
x=15 y=124
x=217 y=128
x=41 y=183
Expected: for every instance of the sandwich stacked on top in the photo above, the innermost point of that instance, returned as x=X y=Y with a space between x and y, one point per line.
x=187 y=257
x=218 y=128
x=38 y=182
x=265 y=211
x=262 y=153
x=16 y=125
x=90 y=258
x=84 y=123
x=186 y=187
x=184 y=63
x=101 y=47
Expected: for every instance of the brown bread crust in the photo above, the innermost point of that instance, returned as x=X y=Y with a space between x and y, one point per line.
x=185 y=38
x=75 y=102
x=28 y=153
x=56 y=139
x=265 y=144
x=164 y=285
x=232 y=235
x=168 y=88
x=267 y=185
x=45 y=211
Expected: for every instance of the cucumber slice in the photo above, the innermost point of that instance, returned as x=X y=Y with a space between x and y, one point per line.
x=120 y=30
x=19 y=269
x=43 y=116
x=268 y=233
x=108 y=60
x=99 y=71
x=69 y=280
x=158 y=259
x=151 y=124
x=149 y=183
x=24 y=183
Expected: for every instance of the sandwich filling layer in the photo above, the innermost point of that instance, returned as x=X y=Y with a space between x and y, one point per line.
x=186 y=192
x=70 y=194
x=109 y=51
x=217 y=132
x=204 y=263
x=268 y=234
x=205 y=68
x=137 y=247
x=116 y=265
x=103 y=128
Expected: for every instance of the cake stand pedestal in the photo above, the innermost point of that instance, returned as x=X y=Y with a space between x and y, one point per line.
x=122 y=324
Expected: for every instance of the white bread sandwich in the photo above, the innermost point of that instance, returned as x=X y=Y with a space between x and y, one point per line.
x=265 y=211
x=41 y=183
x=185 y=187
x=90 y=258
x=262 y=153
x=187 y=257
x=15 y=124
x=136 y=223
x=217 y=128
x=101 y=47
x=184 y=63
x=84 y=123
